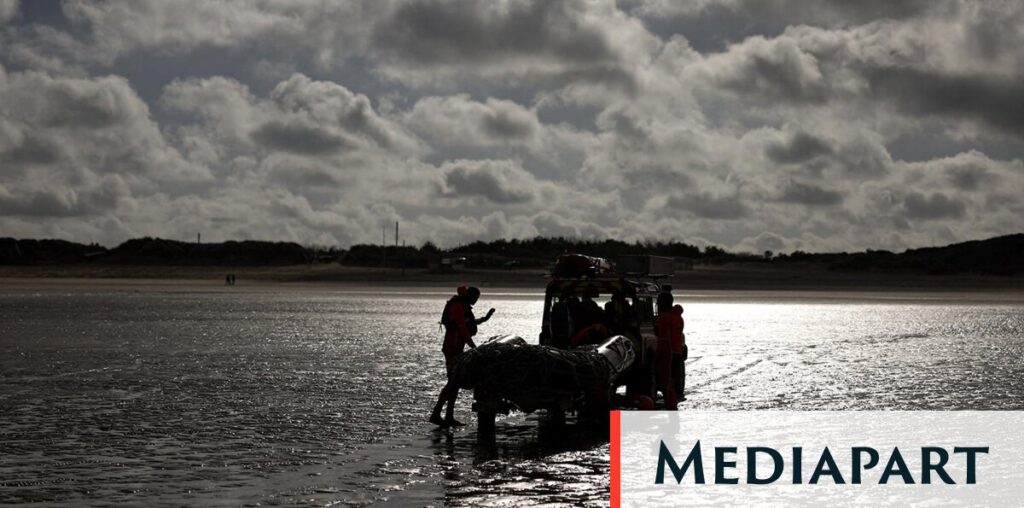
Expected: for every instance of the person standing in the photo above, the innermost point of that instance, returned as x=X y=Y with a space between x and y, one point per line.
x=459 y=326
x=679 y=351
x=666 y=328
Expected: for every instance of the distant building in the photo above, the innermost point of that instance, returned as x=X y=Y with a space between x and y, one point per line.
x=448 y=264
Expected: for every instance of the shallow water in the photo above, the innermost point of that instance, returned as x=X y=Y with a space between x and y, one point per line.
x=317 y=398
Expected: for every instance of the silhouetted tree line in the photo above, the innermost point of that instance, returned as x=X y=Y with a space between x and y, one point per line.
x=994 y=256
x=155 y=251
x=1003 y=255
x=24 y=252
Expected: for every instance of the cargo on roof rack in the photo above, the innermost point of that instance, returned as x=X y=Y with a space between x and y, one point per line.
x=580 y=266
x=645 y=266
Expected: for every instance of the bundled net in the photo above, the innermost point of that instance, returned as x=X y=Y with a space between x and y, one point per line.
x=532 y=376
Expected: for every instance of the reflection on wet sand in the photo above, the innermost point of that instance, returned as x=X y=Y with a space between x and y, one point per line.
x=528 y=460
x=179 y=398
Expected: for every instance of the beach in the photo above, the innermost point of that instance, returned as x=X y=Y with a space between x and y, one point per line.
x=730 y=276
x=187 y=391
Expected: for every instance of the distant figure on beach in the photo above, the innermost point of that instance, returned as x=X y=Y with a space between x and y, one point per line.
x=229 y=279
x=460 y=325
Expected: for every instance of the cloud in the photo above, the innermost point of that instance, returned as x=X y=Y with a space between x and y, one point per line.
x=749 y=124
x=995 y=101
x=810 y=194
x=8 y=10
x=301 y=116
x=465 y=31
x=459 y=121
x=709 y=206
x=775 y=70
x=801 y=148
x=433 y=43
x=299 y=137
x=501 y=182
x=930 y=207
x=70 y=130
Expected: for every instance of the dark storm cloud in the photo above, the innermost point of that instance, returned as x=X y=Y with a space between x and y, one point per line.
x=466 y=30
x=32 y=150
x=935 y=206
x=967 y=177
x=81 y=103
x=314 y=178
x=713 y=26
x=303 y=172
x=551 y=42
x=624 y=124
x=708 y=206
x=996 y=101
x=770 y=70
x=49 y=203
x=802 y=147
x=299 y=138
x=658 y=176
x=810 y=195
x=58 y=202
x=842 y=12
x=502 y=123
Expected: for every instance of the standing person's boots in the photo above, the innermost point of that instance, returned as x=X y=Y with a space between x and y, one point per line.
x=449 y=419
x=435 y=415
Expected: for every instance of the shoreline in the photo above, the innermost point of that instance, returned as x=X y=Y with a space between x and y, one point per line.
x=726 y=282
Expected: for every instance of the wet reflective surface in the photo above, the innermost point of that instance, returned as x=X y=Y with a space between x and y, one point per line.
x=317 y=398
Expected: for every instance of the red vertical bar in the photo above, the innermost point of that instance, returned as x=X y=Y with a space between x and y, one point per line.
x=616 y=472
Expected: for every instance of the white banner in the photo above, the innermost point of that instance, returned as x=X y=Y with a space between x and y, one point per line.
x=786 y=458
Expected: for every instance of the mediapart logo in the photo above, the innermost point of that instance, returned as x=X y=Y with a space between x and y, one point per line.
x=882 y=458
x=934 y=460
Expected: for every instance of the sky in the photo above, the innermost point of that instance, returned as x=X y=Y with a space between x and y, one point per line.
x=752 y=125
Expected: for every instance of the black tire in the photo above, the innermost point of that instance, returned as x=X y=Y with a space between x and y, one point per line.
x=556 y=416
x=485 y=422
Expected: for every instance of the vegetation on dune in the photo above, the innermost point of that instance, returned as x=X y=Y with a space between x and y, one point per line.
x=994 y=256
x=155 y=251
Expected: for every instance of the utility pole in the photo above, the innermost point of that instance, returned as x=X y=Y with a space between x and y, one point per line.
x=199 y=237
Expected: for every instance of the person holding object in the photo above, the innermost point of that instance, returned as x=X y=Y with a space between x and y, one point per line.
x=459 y=328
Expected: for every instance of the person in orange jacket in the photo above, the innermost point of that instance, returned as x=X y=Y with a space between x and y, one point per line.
x=593 y=334
x=460 y=326
x=666 y=328
x=679 y=353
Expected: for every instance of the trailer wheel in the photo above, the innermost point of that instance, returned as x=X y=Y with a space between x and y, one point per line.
x=485 y=422
x=556 y=416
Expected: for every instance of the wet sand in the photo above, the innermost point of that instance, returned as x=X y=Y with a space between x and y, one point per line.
x=186 y=391
x=781 y=278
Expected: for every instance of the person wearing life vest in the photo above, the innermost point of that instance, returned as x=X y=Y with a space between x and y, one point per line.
x=621 y=318
x=593 y=334
x=459 y=328
x=666 y=328
x=679 y=352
